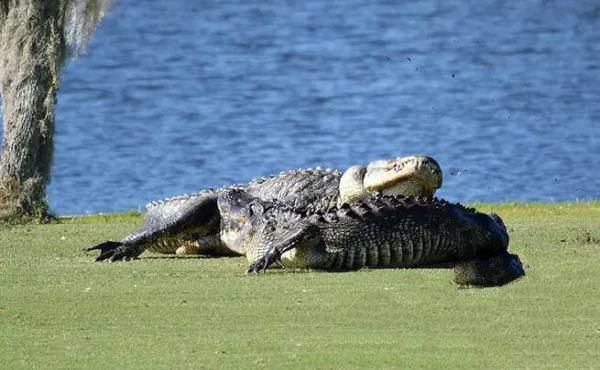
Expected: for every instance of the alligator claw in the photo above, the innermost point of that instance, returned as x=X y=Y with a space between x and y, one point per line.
x=104 y=247
x=257 y=266
x=110 y=251
x=280 y=264
x=253 y=268
x=262 y=264
x=107 y=249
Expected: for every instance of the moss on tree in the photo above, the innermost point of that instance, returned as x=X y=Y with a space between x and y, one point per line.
x=36 y=36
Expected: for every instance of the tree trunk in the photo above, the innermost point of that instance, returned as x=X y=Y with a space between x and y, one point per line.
x=32 y=49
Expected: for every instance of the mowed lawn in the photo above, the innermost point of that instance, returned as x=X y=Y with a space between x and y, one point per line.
x=58 y=309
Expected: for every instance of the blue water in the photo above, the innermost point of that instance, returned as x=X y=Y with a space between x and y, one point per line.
x=174 y=96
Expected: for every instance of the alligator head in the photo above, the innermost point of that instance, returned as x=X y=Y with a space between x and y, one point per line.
x=236 y=208
x=247 y=223
x=411 y=176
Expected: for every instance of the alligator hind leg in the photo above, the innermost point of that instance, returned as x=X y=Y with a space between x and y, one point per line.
x=107 y=249
x=489 y=271
x=116 y=251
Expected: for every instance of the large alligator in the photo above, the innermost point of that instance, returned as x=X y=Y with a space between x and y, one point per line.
x=190 y=224
x=380 y=232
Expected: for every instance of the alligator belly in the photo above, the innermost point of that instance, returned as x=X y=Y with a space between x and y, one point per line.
x=207 y=245
x=304 y=258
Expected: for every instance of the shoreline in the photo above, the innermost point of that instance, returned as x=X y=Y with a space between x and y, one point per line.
x=477 y=205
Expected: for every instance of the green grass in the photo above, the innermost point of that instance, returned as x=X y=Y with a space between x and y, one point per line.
x=60 y=310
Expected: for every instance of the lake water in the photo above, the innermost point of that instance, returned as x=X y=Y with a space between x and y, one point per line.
x=175 y=96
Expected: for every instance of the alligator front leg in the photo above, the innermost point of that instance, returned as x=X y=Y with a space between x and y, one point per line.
x=273 y=256
x=276 y=242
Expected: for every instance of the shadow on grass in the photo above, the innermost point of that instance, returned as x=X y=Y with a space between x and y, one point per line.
x=441 y=266
x=173 y=257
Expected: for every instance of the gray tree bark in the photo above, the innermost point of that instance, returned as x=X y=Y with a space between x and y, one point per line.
x=32 y=48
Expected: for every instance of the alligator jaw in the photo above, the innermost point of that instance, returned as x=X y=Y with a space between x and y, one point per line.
x=414 y=175
x=351 y=184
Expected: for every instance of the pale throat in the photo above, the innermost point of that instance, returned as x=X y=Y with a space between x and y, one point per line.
x=351 y=184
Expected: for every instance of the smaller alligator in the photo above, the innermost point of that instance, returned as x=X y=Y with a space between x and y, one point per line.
x=190 y=224
x=381 y=232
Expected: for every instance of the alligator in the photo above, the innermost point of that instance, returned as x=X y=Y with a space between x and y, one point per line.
x=190 y=224
x=380 y=232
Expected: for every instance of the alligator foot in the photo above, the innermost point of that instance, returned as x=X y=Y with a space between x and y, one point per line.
x=271 y=257
x=491 y=271
x=110 y=251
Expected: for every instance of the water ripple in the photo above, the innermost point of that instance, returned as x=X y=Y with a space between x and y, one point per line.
x=175 y=96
